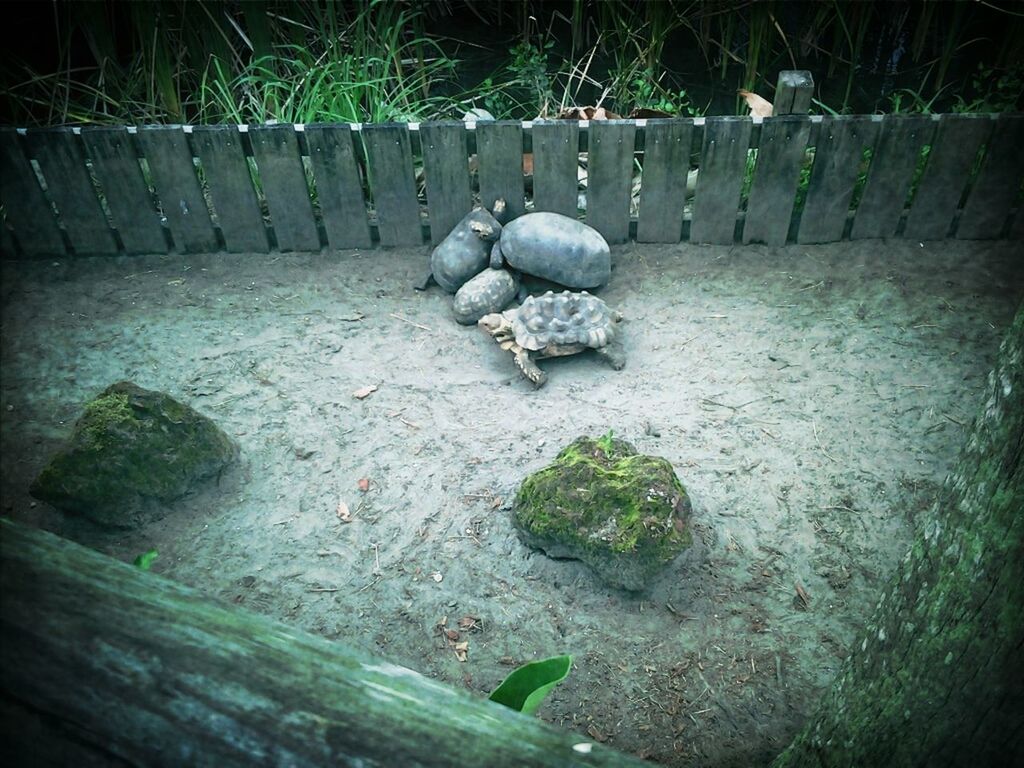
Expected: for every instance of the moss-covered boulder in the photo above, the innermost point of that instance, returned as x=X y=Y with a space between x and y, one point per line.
x=622 y=513
x=130 y=448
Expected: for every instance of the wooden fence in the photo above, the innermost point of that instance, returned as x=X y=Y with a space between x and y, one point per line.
x=792 y=178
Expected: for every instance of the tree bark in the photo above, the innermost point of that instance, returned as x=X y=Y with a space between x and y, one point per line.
x=104 y=664
x=938 y=677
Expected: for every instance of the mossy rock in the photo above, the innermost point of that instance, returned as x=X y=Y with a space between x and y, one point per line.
x=131 y=448
x=622 y=513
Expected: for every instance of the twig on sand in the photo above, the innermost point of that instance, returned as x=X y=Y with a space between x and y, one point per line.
x=410 y=322
x=828 y=456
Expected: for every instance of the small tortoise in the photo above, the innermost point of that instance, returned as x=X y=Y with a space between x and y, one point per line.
x=554 y=325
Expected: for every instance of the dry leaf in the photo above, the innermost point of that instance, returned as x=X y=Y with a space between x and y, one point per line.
x=470 y=623
x=595 y=734
x=461 y=650
x=364 y=392
x=343 y=514
x=452 y=634
x=497 y=502
x=364 y=484
x=758 y=107
x=802 y=594
x=353 y=317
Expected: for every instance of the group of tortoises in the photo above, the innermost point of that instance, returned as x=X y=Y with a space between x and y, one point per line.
x=481 y=261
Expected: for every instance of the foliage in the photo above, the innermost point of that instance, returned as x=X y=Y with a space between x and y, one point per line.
x=145 y=560
x=526 y=687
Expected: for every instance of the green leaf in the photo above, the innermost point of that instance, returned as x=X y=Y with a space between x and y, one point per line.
x=525 y=688
x=145 y=560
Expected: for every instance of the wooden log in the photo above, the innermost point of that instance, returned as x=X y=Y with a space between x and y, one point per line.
x=793 y=92
x=102 y=663
x=60 y=158
x=723 y=164
x=773 y=192
x=610 y=177
x=499 y=150
x=446 y=167
x=220 y=150
x=116 y=165
x=663 y=181
x=995 y=189
x=276 y=149
x=28 y=211
x=555 y=167
x=338 y=185
x=169 y=157
x=393 y=183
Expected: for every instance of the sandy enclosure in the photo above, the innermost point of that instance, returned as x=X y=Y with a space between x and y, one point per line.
x=811 y=399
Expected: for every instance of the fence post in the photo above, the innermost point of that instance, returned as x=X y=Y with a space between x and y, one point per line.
x=793 y=92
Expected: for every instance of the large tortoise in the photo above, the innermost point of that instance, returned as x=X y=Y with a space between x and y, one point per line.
x=554 y=325
x=555 y=247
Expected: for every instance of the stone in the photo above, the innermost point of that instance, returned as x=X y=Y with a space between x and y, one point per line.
x=622 y=513
x=131 y=449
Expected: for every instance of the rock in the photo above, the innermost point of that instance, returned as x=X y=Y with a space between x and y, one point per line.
x=465 y=252
x=622 y=513
x=488 y=292
x=130 y=448
x=556 y=248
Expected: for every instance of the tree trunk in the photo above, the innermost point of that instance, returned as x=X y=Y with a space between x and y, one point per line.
x=938 y=678
x=104 y=664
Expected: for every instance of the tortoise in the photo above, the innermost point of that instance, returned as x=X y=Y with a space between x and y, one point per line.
x=554 y=325
x=490 y=291
x=555 y=247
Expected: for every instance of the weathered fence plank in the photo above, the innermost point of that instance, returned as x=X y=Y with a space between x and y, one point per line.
x=723 y=163
x=116 y=165
x=393 y=184
x=666 y=163
x=953 y=152
x=338 y=185
x=610 y=177
x=995 y=190
x=499 y=151
x=892 y=170
x=838 y=155
x=793 y=92
x=222 y=155
x=62 y=162
x=556 y=166
x=773 y=192
x=169 y=158
x=27 y=209
x=110 y=665
x=276 y=149
x=446 y=167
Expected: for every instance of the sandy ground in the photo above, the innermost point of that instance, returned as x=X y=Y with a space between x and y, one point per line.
x=811 y=399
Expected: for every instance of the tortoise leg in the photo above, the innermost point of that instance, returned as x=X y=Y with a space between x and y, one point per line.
x=530 y=369
x=613 y=354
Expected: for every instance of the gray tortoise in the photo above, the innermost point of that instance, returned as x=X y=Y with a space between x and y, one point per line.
x=554 y=325
x=555 y=247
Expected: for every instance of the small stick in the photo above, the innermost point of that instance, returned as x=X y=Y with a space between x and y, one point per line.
x=820 y=446
x=410 y=322
x=323 y=589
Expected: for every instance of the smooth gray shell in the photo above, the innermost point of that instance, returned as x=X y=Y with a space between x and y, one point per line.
x=557 y=248
x=465 y=252
x=563 y=318
x=488 y=292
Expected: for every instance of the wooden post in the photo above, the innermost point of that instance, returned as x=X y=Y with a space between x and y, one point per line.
x=102 y=663
x=793 y=92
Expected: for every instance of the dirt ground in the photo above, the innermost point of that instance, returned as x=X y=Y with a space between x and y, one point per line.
x=811 y=399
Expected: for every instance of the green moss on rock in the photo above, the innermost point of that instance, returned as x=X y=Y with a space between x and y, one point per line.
x=130 y=447
x=621 y=512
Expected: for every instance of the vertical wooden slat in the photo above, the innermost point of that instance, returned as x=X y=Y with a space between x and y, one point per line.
x=793 y=92
x=998 y=182
x=499 y=151
x=61 y=160
x=169 y=158
x=555 y=163
x=723 y=163
x=276 y=149
x=610 y=177
x=28 y=212
x=956 y=145
x=837 y=158
x=220 y=150
x=446 y=167
x=393 y=184
x=663 y=181
x=338 y=185
x=890 y=175
x=779 y=159
x=116 y=165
